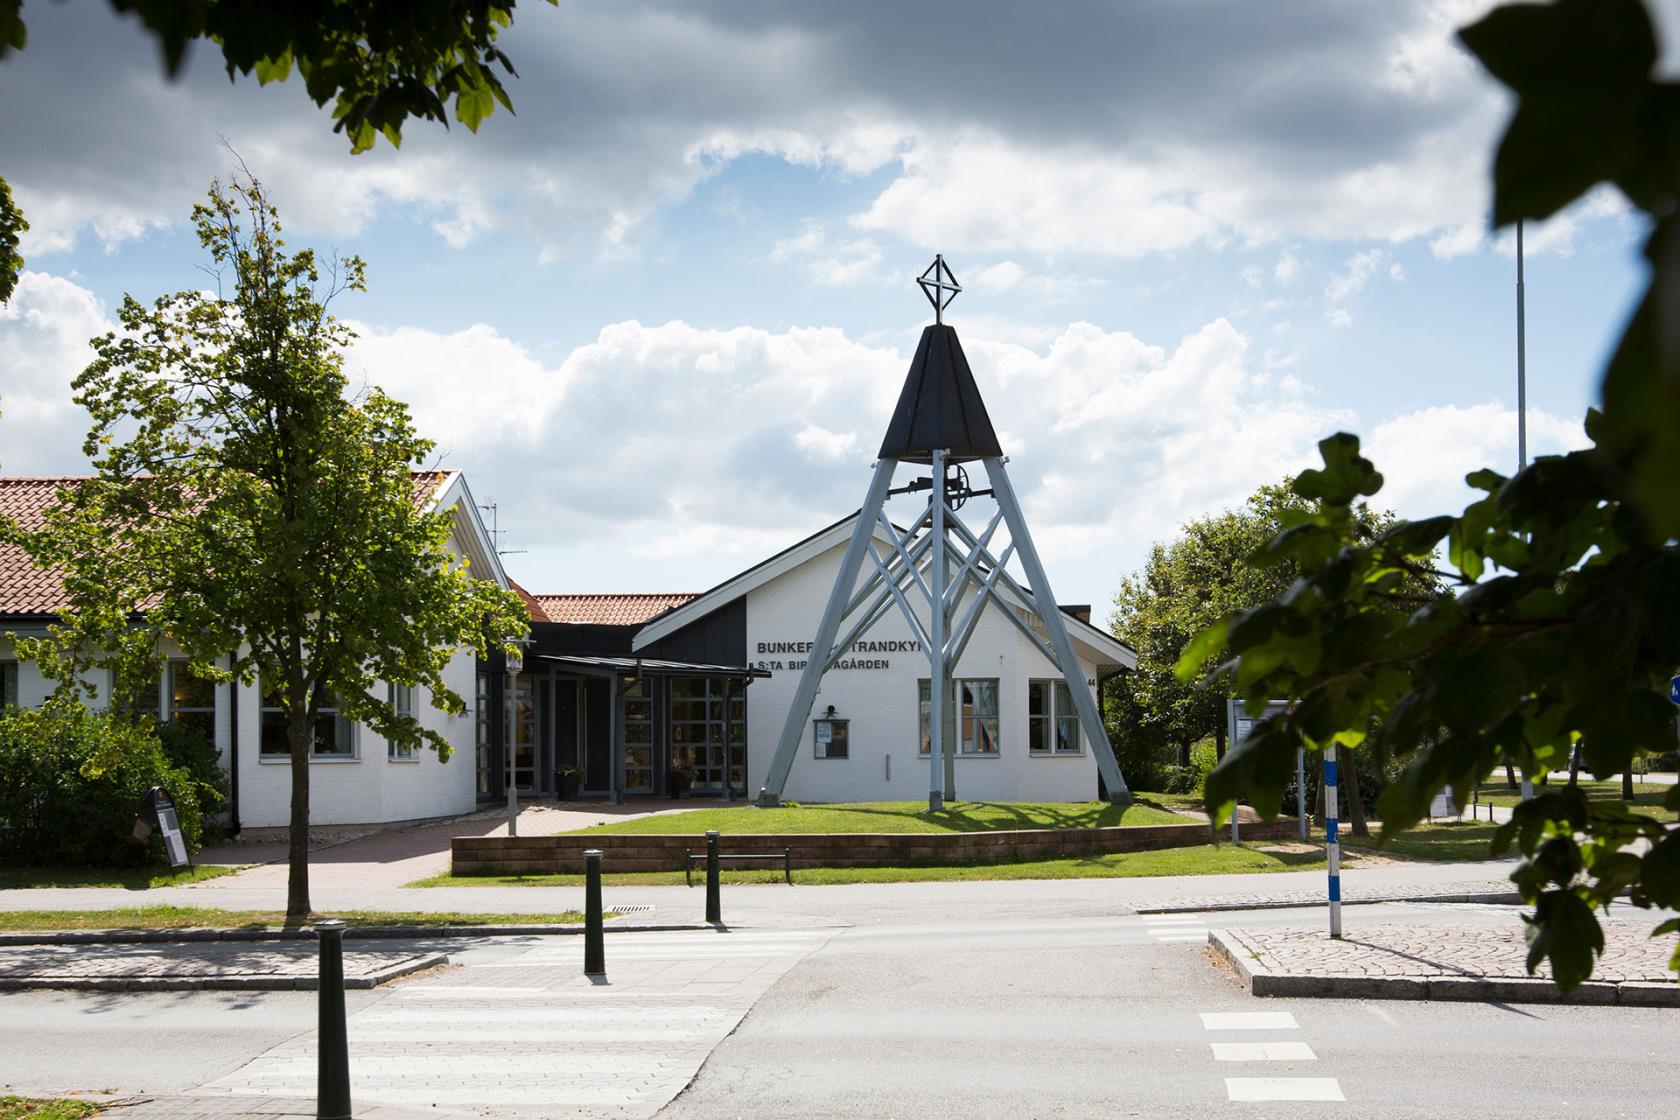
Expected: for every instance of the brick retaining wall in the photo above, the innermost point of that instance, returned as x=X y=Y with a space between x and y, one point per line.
x=502 y=855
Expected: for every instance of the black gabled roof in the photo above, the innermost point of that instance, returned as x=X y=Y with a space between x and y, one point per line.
x=940 y=406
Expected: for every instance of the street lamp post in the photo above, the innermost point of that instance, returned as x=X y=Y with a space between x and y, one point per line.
x=1522 y=415
x=515 y=663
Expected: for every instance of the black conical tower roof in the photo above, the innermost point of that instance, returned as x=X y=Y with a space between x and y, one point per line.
x=940 y=406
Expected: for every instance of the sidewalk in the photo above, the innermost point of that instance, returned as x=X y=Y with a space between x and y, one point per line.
x=1453 y=962
x=200 y=966
x=392 y=857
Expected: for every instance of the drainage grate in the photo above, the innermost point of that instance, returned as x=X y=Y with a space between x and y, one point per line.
x=636 y=908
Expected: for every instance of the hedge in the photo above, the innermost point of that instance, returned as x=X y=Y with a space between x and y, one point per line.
x=71 y=782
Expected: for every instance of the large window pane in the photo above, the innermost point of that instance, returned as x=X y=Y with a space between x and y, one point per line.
x=334 y=736
x=1067 y=720
x=8 y=684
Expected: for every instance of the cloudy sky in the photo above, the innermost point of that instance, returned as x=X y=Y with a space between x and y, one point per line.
x=661 y=315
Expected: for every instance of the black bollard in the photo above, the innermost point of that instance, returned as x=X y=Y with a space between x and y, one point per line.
x=714 y=903
x=594 y=951
x=332 y=1075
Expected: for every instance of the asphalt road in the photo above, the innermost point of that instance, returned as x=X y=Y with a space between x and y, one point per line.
x=1103 y=1018
x=1024 y=1016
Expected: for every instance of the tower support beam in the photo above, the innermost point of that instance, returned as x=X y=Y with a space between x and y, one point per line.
x=775 y=779
x=1044 y=602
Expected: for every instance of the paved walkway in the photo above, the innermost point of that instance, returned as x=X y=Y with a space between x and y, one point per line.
x=392 y=857
x=199 y=966
x=1434 y=961
x=519 y=1031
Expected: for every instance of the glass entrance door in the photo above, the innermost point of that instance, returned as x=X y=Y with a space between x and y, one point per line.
x=706 y=737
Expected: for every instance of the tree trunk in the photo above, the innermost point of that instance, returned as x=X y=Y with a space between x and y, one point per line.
x=1510 y=777
x=1574 y=764
x=1627 y=786
x=1184 y=754
x=1219 y=743
x=1356 y=804
x=300 y=739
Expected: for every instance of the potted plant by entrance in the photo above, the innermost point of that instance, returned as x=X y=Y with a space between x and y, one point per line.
x=567 y=781
x=680 y=778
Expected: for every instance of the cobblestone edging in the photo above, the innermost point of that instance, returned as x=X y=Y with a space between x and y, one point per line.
x=1494 y=892
x=287 y=975
x=504 y=855
x=307 y=933
x=1354 y=969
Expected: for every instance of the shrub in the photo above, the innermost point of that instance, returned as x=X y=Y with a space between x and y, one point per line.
x=71 y=782
x=187 y=749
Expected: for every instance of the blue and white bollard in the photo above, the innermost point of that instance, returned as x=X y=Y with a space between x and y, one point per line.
x=1332 y=844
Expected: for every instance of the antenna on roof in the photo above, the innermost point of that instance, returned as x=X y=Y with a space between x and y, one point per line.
x=496 y=533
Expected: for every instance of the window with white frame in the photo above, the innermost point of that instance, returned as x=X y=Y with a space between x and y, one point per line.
x=189 y=699
x=8 y=684
x=335 y=736
x=1052 y=720
x=976 y=706
x=401 y=697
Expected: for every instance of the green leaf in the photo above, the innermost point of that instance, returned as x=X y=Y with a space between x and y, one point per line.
x=473 y=105
x=1659 y=873
x=1347 y=475
x=1565 y=932
x=1206 y=644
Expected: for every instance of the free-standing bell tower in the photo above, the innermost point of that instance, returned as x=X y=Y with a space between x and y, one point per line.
x=939 y=574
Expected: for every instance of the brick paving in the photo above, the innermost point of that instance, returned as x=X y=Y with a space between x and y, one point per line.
x=201 y=966
x=1420 y=961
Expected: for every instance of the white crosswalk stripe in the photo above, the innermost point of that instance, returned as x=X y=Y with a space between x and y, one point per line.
x=1262 y=1052
x=1283 y=1089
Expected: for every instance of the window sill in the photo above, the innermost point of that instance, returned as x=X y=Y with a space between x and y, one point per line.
x=285 y=760
x=1056 y=754
x=406 y=761
x=991 y=757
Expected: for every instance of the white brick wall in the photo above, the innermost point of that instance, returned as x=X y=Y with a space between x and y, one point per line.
x=368 y=790
x=882 y=707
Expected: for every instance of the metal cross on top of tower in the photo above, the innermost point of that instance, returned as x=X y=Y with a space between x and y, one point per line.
x=939 y=285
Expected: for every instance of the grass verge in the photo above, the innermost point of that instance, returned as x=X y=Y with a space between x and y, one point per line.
x=181 y=917
x=898 y=816
x=33 y=1108
x=129 y=878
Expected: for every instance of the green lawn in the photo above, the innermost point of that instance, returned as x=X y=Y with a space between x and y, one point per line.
x=1646 y=795
x=31 y=1108
x=898 y=816
x=178 y=917
x=130 y=878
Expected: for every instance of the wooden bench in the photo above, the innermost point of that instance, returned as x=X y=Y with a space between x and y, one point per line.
x=691 y=857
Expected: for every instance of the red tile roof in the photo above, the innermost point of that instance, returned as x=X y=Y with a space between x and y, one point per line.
x=24 y=588
x=28 y=590
x=610 y=610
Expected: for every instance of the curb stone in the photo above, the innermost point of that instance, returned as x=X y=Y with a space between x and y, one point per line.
x=1263 y=979
x=307 y=933
x=1208 y=906
x=217 y=983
